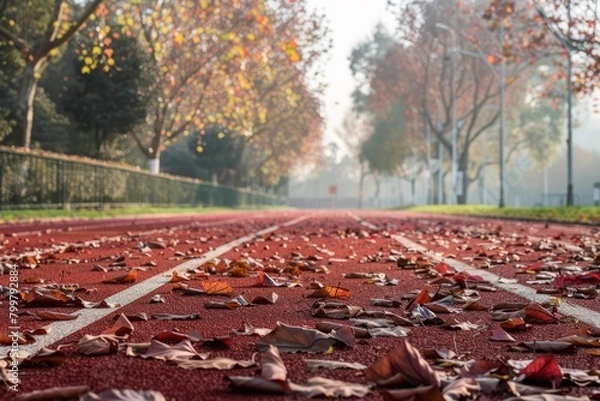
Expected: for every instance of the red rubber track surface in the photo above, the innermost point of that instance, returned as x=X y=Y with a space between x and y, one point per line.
x=326 y=234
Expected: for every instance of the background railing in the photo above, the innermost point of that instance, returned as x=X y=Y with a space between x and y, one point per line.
x=30 y=180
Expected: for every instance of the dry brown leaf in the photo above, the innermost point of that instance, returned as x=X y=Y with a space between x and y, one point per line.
x=249 y=330
x=546 y=347
x=7 y=338
x=335 y=310
x=123 y=278
x=168 y=316
x=45 y=357
x=177 y=336
x=217 y=288
x=268 y=300
x=124 y=395
x=515 y=323
x=315 y=364
x=176 y=277
x=461 y=389
x=98 y=345
x=501 y=335
x=422 y=393
x=294 y=339
x=216 y=363
x=51 y=315
x=257 y=384
x=273 y=367
x=322 y=387
x=42 y=297
x=264 y=280
x=422 y=298
x=55 y=393
x=166 y=352
x=537 y=313
x=402 y=365
x=121 y=328
x=330 y=292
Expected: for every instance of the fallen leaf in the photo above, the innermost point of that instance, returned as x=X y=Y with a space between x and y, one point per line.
x=157 y=299
x=45 y=357
x=249 y=330
x=121 y=328
x=124 y=395
x=217 y=288
x=315 y=364
x=334 y=310
x=402 y=365
x=98 y=345
x=55 y=393
x=177 y=336
x=295 y=339
x=264 y=280
x=537 y=313
x=546 y=347
x=269 y=299
x=273 y=367
x=543 y=368
x=422 y=393
x=322 y=387
x=330 y=292
x=51 y=315
x=515 y=323
x=501 y=335
x=216 y=363
x=166 y=352
x=463 y=388
x=123 y=279
x=169 y=316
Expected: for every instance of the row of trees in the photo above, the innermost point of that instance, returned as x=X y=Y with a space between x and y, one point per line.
x=444 y=65
x=233 y=76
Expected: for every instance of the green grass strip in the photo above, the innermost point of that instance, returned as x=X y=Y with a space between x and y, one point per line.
x=576 y=214
x=7 y=216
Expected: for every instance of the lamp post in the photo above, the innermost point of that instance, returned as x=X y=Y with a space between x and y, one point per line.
x=453 y=107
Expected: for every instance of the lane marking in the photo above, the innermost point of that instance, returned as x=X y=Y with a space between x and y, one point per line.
x=61 y=329
x=582 y=313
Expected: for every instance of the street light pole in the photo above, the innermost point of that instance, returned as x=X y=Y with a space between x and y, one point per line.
x=453 y=108
x=501 y=84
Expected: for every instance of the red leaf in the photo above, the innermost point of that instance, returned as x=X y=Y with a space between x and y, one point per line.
x=544 y=368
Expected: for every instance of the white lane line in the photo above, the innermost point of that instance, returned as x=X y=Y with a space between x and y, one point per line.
x=582 y=313
x=61 y=329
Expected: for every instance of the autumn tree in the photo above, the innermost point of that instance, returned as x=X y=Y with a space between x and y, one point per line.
x=419 y=68
x=568 y=28
x=36 y=32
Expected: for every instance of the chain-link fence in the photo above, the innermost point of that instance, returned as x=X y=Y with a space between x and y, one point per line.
x=29 y=180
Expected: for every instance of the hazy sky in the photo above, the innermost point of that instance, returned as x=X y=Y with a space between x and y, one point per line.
x=350 y=21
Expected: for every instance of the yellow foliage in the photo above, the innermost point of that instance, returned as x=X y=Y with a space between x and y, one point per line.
x=179 y=38
x=85 y=69
x=96 y=50
x=88 y=60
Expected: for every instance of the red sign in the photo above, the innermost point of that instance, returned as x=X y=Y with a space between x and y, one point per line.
x=332 y=190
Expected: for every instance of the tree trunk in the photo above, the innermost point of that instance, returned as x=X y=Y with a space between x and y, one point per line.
x=361 y=185
x=377 y=187
x=26 y=96
x=464 y=184
x=154 y=164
